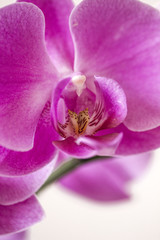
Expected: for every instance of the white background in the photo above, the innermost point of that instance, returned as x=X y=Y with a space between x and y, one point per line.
x=69 y=217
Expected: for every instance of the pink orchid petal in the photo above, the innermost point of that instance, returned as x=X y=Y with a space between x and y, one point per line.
x=104 y=145
x=57 y=33
x=17 y=189
x=106 y=180
x=138 y=142
x=113 y=100
x=16 y=236
x=121 y=40
x=43 y=152
x=62 y=157
x=139 y=77
x=20 y=216
x=26 y=74
x=134 y=142
x=85 y=147
x=70 y=147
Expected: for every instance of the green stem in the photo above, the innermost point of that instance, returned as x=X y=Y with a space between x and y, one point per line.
x=66 y=168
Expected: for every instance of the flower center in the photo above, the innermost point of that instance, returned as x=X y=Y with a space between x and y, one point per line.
x=79 y=121
x=79 y=111
x=75 y=125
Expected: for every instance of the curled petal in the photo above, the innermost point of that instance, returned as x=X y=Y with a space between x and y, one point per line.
x=70 y=147
x=85 y=147
x=56 y=114
x=103 y=145
x=106 y=180
x=19 y=163
x=112 y=98
x=17 y=217
x=57 y=33
x=17 y=189
x=26 y=74
x=121 y=40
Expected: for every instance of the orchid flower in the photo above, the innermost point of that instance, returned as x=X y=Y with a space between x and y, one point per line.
x=82 y=81
x=107 y=57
